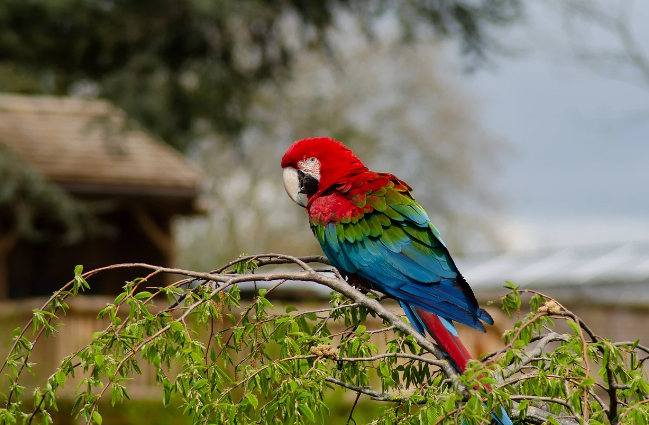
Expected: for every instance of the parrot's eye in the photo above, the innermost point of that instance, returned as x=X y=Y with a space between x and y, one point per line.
x=310 y=166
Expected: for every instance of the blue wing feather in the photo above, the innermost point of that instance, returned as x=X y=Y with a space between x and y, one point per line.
x=332 y=238
x=394 y=263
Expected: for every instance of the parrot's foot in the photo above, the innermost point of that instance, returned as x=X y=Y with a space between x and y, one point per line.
x=359 y=283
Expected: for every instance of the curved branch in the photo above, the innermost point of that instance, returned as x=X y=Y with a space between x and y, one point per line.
x=376 y=395
x=564 y=403
x=533 y=353
x=433 y=362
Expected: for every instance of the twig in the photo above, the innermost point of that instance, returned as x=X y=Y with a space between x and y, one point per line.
x=532 y=354
x=630 y=409
x=376 y=395
x=433 y=362
x=351 y=412
x=546 y=399
x=631 y=343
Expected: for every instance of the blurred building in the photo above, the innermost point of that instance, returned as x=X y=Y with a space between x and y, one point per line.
x=607 y=286
x=134 y=183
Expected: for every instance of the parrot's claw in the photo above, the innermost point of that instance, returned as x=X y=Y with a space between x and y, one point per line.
x=361 y=284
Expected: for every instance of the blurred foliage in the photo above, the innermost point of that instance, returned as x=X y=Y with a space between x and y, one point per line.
x=188 y=68
x=228 y=362
x=30 y=202
x=216 y=73
x=413 y=119
x=154 y=412
x=615 y=47
x=134 y=412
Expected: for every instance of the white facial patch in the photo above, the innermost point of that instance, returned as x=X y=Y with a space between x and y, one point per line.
x=310 y=166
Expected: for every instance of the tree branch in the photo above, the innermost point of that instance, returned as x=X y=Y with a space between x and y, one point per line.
x=433 y=362
x=376 y=395
x=532 y=354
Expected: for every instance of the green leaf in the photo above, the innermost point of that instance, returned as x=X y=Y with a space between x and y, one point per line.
x=304 y=409
x=586 y=382
x=252 y=400
x=60 y=378
x=143 y=294
x=99 y=359
x=177 y=326
x=78 y=269
x=84 y=282
x=360 y=330
x=449 y=404
x=166 y=397
x=222 y=373
x=96 y=417
x=574 y=326
x=47 y=419
x=268 y=304
x=290 y=308
x=510 y=285
x=116 y=394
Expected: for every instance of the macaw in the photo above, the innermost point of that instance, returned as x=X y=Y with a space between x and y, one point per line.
x=373 y=231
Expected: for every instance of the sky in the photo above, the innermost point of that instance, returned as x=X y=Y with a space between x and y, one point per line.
x=579 y=172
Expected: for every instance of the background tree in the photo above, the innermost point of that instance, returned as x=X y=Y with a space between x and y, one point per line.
x=194 y=72
x=187 y=68
x=618 y=50
x=412 y=119
x=30 y=200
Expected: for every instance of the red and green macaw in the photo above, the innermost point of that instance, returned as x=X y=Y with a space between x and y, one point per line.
x=372 y=230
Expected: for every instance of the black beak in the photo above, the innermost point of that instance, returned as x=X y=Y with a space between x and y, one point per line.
x=308 y=184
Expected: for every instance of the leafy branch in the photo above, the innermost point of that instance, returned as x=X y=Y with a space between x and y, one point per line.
x=231 y=363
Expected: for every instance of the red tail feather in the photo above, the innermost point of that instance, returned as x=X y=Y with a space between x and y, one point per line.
x=448 y=342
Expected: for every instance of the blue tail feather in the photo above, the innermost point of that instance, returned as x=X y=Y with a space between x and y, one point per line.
x=503 y=418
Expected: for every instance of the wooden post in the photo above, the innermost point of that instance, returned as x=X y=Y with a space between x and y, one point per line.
x=161 y=238
x=7 y=242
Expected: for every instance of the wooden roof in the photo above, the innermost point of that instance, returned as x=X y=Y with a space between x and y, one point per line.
x=89 y=146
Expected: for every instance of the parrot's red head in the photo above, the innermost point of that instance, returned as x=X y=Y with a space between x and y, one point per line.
x=313 y=165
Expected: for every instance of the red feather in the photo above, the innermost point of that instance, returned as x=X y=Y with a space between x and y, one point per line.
x=448 y=342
